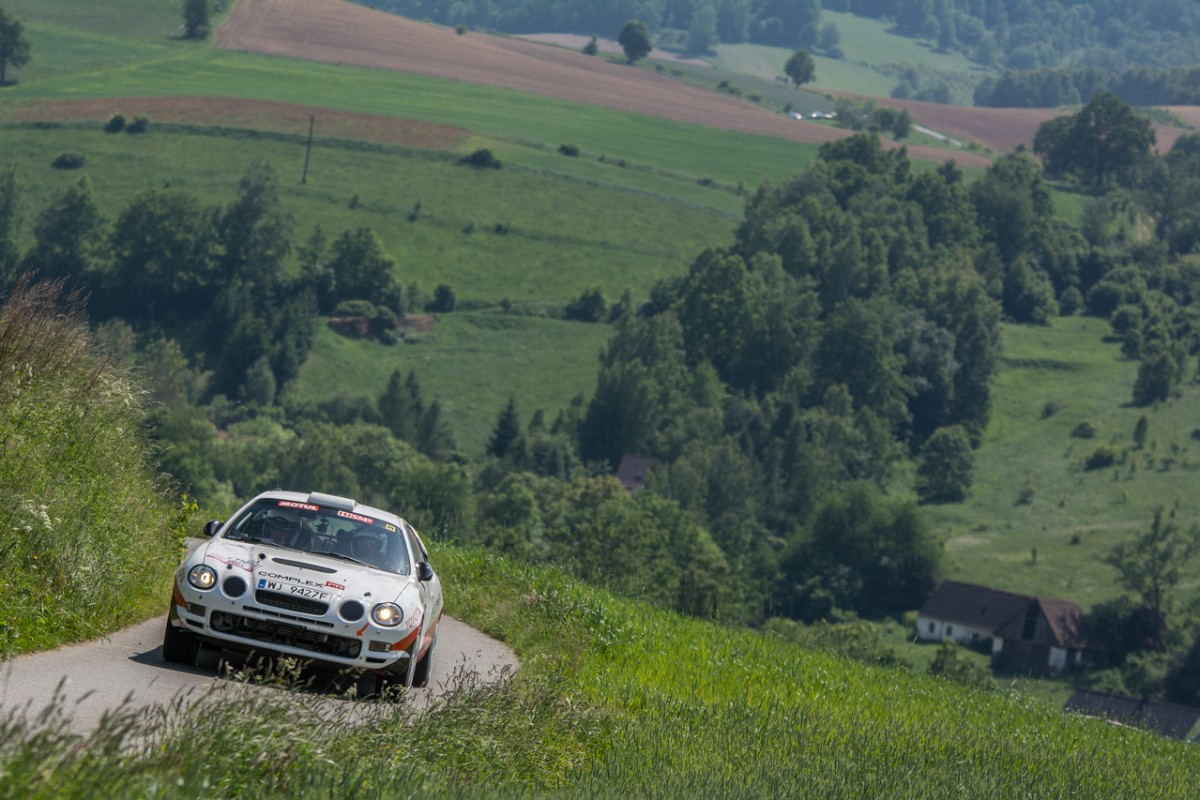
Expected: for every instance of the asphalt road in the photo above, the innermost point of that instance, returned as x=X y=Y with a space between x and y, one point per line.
x=127 y=668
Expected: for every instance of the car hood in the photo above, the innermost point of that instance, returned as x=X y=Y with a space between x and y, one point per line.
x=259 y=562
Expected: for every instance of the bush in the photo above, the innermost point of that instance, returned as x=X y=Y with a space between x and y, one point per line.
x=444 y=299
x=139 y=125
x=568 y=150
x=355 y=308
x=116 y=124
x=1084 y=430
x=68 y=160
x=481 y=159
x=1101 y=457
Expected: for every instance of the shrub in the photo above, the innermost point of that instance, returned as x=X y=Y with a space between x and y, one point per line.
x=355 y=308
x=139 y=125
x=444 y=299
x=481 y=159
x=68 y=160
x=1084 y=430
x=568 y=150
x=1101 y=457
x=460 y=29
x=382 y=321
x=116 y=124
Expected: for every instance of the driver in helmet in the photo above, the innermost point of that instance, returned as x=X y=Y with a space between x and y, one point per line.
x=282 y=530
x=368 y=547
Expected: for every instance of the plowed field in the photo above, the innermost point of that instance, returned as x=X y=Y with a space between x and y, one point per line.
x=236 y=113
x=343 y=33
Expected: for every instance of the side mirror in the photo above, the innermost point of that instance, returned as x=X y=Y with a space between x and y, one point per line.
x=211 y=527
x=424 y=571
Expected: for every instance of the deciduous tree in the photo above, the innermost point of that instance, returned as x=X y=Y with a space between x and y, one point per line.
x=800 y=68
x=195 y=19
x=635 y=40
x=15 y=47
x=1152 y=563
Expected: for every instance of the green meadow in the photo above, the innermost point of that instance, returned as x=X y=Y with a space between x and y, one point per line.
x=871 y=58
x=471 y=363
x=613 y=699
x=1038 y=521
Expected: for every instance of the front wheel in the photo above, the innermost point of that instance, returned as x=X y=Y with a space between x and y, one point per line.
x=180 y=646
x=421 y=672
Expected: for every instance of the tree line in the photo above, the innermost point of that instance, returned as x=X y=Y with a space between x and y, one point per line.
x=1069 y=86
x=1114 y=36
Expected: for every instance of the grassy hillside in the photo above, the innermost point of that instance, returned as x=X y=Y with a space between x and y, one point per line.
x=614 y=699
x=1031 y=489
x=872 y=59
x=87 y=528
x=471 y=362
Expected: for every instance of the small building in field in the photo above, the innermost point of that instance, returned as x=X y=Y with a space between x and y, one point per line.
x=1032 y=634
x=1166 y=719
x=967 y=613
x=632 y=470
x=1047 y=637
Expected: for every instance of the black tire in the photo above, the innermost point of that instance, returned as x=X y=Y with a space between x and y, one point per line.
x=180 y=646
x=420 y=675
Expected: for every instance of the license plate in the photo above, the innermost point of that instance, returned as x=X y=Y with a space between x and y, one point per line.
x=290 y=588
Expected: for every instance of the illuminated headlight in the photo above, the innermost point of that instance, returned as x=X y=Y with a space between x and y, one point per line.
x=202 y=576
x=387 y=614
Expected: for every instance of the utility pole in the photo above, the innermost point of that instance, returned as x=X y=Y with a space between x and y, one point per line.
x=308 y=149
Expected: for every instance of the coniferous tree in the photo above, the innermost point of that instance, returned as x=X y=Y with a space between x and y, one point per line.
x=506 y=430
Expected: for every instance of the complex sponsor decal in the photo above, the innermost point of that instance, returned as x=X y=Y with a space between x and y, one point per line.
x=240 y=563
x=356 y=517
x=275 y=576
x=293 y=504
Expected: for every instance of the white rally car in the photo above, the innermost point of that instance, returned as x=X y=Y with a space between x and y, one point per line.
x=313 y=576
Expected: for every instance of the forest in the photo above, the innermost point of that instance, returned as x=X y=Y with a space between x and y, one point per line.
x=1113 y=36
x=784 y=386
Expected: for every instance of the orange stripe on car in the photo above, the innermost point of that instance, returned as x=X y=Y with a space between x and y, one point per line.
x=407 y=641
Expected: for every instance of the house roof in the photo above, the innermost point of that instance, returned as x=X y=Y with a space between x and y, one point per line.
x=974 y=606
x=631 y=472
x=1167 y=719
x=1066 y=622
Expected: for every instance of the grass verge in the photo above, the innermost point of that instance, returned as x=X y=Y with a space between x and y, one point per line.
x=614 y=699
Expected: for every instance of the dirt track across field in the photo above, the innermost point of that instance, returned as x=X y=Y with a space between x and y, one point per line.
x=260 y=115
x=339 y=32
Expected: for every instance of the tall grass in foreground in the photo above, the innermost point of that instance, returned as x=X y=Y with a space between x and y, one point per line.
x=86 y=531
x=613 y=699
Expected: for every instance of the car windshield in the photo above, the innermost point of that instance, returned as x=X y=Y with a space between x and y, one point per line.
x=325 y=531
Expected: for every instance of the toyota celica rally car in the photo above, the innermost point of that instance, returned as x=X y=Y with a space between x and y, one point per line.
x=312 y=576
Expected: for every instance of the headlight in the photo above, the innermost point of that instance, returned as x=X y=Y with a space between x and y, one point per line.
x=202 y=576
x=387 y=614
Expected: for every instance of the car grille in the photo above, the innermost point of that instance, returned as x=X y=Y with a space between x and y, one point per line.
x=273 y=632
x=291 y=602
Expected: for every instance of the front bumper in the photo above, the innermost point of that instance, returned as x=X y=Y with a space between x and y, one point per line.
x=250 y=625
